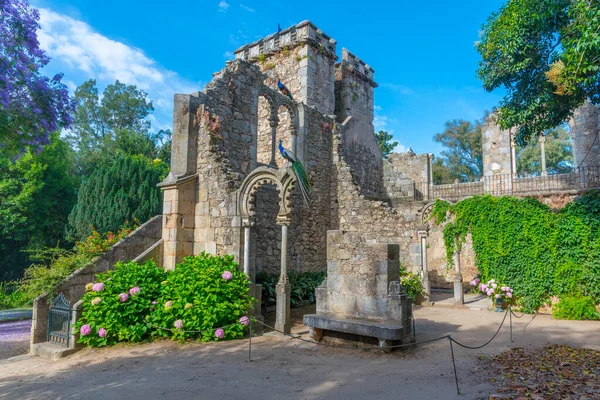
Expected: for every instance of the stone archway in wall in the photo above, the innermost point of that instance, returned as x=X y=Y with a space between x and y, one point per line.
x=259 y=186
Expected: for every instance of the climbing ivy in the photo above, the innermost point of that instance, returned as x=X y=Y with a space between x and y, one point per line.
x=522 y=242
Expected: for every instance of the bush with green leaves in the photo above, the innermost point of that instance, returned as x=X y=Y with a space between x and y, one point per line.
x=116 y=306
x=201 y=295
x=412 y=284
x=12 y=296
x=537 y=251
x=303 y=287
x=576 y=307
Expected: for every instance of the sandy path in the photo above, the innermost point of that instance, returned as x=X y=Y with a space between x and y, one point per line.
x=288 y=369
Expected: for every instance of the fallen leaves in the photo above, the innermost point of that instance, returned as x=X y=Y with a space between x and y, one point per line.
x=552 y=372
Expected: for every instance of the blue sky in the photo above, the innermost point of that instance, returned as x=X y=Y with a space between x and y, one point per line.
x=422 y=52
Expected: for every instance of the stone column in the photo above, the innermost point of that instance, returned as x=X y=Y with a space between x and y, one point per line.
x=422 y=233
x=459 y=297
x=274 y=121
x=543 y=149
x=247 y=223
x=513 y=152
x=283 y=288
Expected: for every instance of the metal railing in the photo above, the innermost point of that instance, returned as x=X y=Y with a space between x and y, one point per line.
x=59 y=321
x=503 y=185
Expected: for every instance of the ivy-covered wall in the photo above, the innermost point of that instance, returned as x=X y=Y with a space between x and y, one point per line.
x=539 y=252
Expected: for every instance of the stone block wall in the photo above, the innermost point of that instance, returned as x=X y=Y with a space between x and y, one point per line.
x=73 y=287
x=407 y=176
x=358 y=277
x=496 y=143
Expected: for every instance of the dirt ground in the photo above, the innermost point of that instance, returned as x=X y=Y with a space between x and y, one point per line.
x=284 y=368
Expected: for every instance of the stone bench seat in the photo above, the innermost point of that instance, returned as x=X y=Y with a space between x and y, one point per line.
x=385 y=332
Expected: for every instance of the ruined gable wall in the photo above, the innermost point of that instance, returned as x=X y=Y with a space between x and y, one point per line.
x=405 y=173
x=585 y=127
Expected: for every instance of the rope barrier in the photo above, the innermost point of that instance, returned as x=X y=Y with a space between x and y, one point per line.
x=486 y=343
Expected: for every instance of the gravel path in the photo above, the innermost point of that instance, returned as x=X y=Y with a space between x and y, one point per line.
x=283 y=368
x=14 y=338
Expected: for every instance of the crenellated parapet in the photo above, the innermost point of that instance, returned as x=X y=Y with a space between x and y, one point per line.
x=353 y=65
x=304 y=32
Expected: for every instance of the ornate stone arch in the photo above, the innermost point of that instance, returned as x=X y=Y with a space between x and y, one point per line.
x=266 y=92
x=292 y=111
x=282 y=178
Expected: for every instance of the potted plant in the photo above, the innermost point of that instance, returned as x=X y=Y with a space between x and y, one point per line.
x=501 y=295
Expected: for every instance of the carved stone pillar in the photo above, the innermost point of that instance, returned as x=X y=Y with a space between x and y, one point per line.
x=513 y=152
x=274 y=121
x=247 y=223
x=423 y=233
x=459 y=297
x=283 y=288
x=543 y=150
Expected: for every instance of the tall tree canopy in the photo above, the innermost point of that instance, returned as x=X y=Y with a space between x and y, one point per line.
x=116 y=125
x=385 y=142
x=32 y=106
x=559 y=154
x=546 y=54
x=117 y=193
x=37 y=192
x=462 y=157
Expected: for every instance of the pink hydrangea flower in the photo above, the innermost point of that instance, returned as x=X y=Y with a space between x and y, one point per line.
x=134 y=290
x=96 y=301
x=98 y=287
x=227 y=275
x=178 y=324
x=154 y=303
x=85 y=330
x=168 y=305
x=509 y=294
x=123 y=297
x=220 y=333
x=497 y=296
x=102 y=332
x=245 y=321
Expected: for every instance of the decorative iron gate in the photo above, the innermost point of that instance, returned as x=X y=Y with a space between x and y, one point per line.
x=59 y=321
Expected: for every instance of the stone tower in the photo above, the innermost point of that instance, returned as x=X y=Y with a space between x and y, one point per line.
x=585 y=127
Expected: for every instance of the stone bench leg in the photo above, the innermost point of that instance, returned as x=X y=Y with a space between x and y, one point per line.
x=316 y=334
x=384 y=343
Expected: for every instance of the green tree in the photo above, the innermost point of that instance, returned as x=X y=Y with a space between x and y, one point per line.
x=116 y=125
x=116 y=193
x=545 y=54
x=386 y=145
x=462 y=156
x=559 y=154
x=37 y=193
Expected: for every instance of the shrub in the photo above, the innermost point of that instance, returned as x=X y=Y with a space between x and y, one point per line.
x=115 y=308
x=412 y=284
x=11 y=296
x=303 y=287
x=580 y=307
x=201 y=294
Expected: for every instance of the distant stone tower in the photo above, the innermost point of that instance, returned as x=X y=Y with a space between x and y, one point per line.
x=585 y=127
x=497 y=149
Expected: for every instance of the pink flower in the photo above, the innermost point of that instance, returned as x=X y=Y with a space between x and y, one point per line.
x=219 y=333
x=245 y=321
x=494 y=285
x=168 y=305
x=154 y=302
x=96 y=301
x=102 y=332
x=134 y=290
x=85 y=330
x=503 y=288
x=178 y=324
x=123 y=297
x=509 y=294
x=497 y=296
x=227 y=275
x=98 y=287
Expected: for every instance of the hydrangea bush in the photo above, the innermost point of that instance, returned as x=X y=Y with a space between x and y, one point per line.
x=497 y=292
x=116 y=306
x=205 y=297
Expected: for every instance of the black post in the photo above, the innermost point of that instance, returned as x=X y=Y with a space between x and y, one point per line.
x=454 y=364
x=510 y=311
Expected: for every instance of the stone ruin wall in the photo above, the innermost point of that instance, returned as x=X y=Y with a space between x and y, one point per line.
x=585 y=127
x=405 y=173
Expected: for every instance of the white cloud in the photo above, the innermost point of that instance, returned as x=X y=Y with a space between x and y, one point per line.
x=223 y=6
x=82 y=53
x=377 y=108
x=400 y=148
x=403 y=90
x=244 y=7
x=381 y=123
x=228 y=55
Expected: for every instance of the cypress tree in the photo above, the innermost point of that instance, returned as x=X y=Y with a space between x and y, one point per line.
x=116 y=194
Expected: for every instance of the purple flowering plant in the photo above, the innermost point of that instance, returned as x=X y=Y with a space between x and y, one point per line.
x=32 y=106
x=497 y=291
x=206 y=293
x=120 y=316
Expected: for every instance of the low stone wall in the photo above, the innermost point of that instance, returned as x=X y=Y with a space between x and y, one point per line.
x=141 y=242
